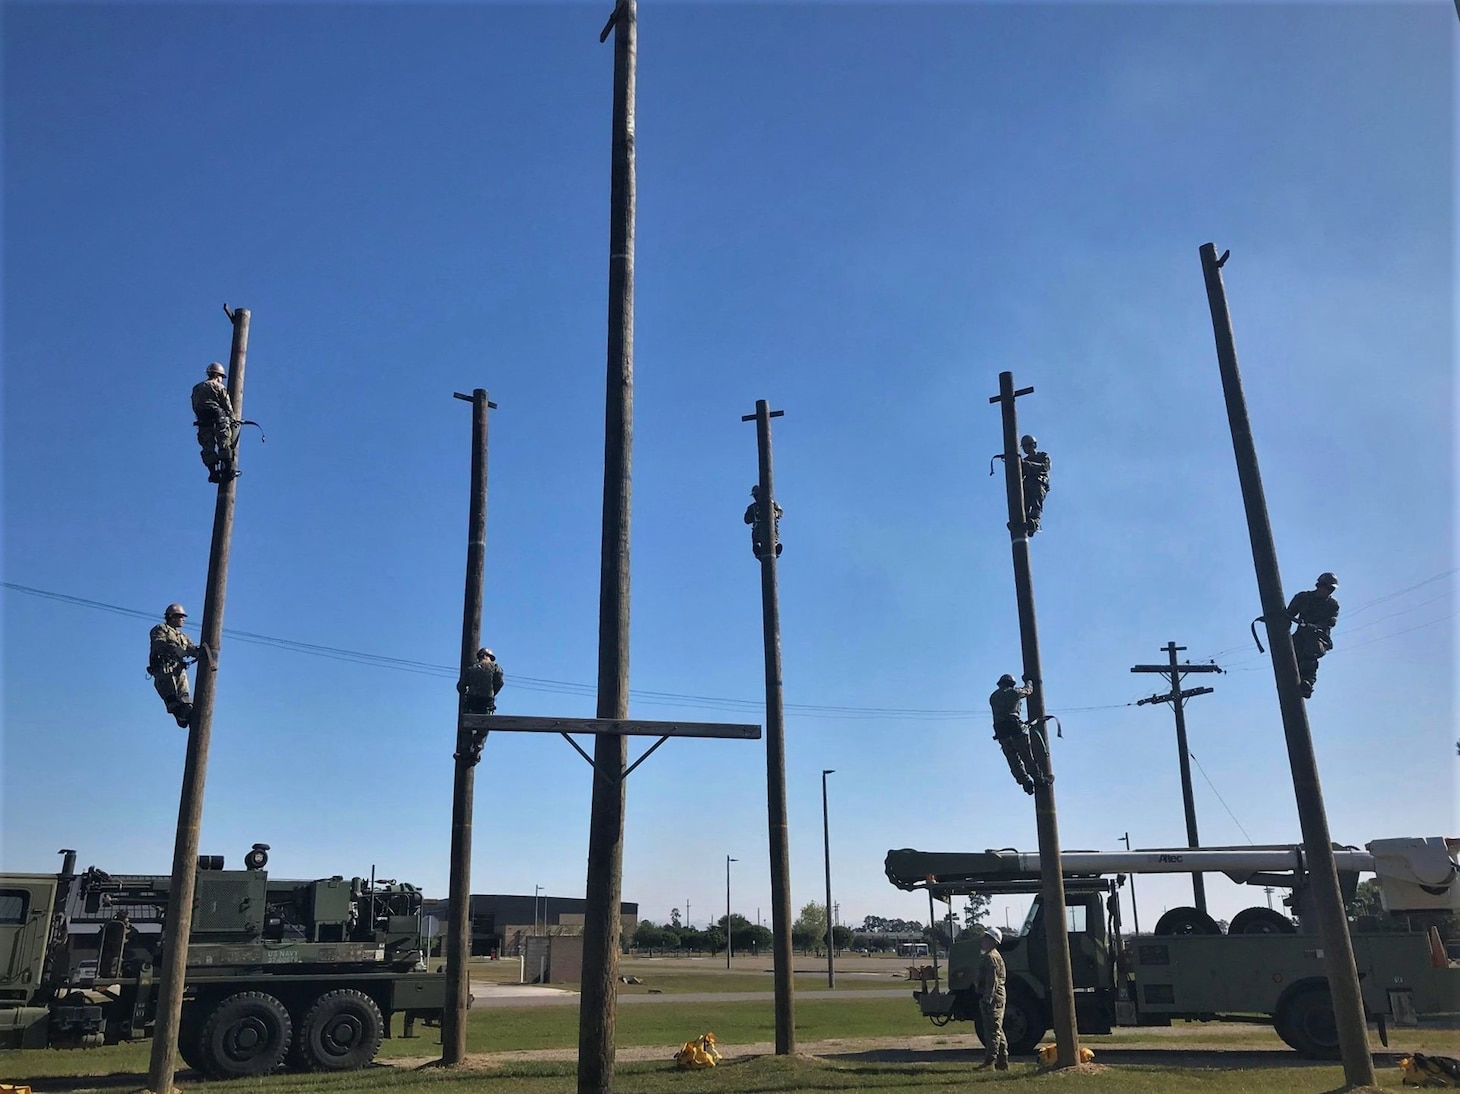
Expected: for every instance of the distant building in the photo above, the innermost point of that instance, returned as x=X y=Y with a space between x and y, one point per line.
x=501 y=924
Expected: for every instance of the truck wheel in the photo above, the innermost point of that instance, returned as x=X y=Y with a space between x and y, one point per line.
x=1305 y=1021
x=246 y=1034
x=190 y=1037
x=1024 y=1021
x=341 y=1032
x=1187 y=921
x=1261 y=921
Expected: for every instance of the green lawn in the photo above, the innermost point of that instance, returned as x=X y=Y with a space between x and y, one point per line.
x=124 y=1067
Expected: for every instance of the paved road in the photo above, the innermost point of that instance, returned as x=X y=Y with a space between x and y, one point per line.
x=531 y=995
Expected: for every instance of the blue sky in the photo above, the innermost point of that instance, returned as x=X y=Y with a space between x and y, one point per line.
x=860 y=212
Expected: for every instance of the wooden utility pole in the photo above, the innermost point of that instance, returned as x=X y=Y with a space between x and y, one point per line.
x=775 y=733
x=463 y=788
x=826 y=849
x=179 y=922
x=602 y=925
x=1177 y=698
x=1052 y=881
x=1337 y=947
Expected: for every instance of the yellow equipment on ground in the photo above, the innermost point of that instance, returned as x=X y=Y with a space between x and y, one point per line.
x=700 y=1052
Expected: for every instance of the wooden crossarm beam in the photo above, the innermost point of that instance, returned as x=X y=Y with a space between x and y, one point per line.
x=514 y=723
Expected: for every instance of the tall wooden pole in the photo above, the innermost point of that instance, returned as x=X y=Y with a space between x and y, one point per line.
x=179 y=924
x=826 y=850
x=1052 y=881
x=1338 y=953
x=463 y=788
x=775 y=736
x=602 y=925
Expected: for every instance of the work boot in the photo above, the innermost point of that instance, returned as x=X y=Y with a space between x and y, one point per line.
x=183 y=716
x=1002 y=1063
x=1028 y=785
x=213 y=475
x=1306 y=687
x=988 y=1062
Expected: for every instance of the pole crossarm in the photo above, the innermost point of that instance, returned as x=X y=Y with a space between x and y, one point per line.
x=1182 y=668
x=514 y=723
x=1184 y=693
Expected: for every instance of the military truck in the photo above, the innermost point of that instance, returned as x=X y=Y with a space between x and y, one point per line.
x=1264 y=968
x=305 y=974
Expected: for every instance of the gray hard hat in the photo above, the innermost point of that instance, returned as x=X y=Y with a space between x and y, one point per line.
x=174 y=609
x=1027 y=441
x=1327 y=579
x=1006 y=679
x=215 y=369
x=994 y=933
x=484 y=652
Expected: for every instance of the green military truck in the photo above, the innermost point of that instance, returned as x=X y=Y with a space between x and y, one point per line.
x=305 y=974
x=1264 y=968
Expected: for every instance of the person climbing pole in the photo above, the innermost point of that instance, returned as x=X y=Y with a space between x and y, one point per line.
x=167 y=661
x=1025 y=762
x=1316 y=613
x=759 y=542
x=217 y=427
x=1034 y=467
x=479 y=687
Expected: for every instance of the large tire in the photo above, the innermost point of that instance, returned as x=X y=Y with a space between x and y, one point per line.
x=1024 y=1021
x=1187 y=921
x=190 y=1036
x=1261 y=921
x=1305 y=1021
x=246 y=1034
x=342 y=1031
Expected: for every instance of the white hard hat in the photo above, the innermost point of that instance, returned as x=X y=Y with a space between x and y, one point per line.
x=994 y=933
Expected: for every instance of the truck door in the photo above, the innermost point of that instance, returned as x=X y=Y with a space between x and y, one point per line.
x=25 y=927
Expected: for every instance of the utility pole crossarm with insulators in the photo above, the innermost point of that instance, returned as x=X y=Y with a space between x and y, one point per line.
x=1177 y=697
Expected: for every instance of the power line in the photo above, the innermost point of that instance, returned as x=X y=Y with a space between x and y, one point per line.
x=1218 y=793
x=539 y=684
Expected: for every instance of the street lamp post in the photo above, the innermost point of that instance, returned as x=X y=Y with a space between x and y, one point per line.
x=826 y=845
x=728 y=947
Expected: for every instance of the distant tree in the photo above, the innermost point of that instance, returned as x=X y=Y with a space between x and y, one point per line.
x=1367 y=901
x=714 y=940
x=809 y=930
x=757 y=939
x=674 y=919
x=842 y=936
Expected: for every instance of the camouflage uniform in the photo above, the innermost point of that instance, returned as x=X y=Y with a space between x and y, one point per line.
x=990 y=987
x=169 y=646
x=483 y=681
x=757 y=530
x=217 y=431
x=1034 y=466
x=1013 y=737
x=1316 y=614
x=479 y=686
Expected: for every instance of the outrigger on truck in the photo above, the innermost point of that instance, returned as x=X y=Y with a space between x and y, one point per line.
x=1264 y=968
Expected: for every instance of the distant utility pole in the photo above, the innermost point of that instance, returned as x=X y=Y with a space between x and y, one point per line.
x=729 y=946
x=1177 y=698
x=1337 y=947
x=195 y=765
x=1052 y=882
x=826 y=847
x=775 y=734
x=463 y=789
x=602 y=922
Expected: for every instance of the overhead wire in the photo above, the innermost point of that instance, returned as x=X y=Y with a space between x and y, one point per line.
x=539 y=684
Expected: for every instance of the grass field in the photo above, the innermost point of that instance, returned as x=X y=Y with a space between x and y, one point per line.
x=926 y=1059
x=672 y=975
